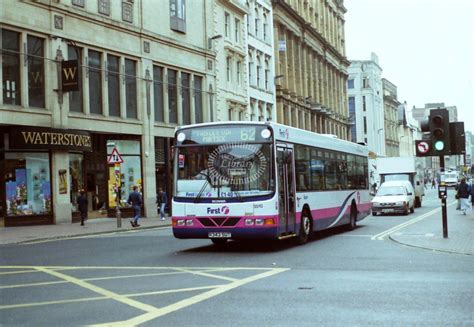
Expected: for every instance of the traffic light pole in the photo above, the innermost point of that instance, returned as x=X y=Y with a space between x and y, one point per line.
x=444 y=212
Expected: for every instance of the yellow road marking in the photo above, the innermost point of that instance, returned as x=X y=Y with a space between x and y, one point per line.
x=192 y=300
x=99 y=290
x=17 y=272
x=200 y=273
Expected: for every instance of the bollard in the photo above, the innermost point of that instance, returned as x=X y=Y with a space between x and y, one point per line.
x=119 y=216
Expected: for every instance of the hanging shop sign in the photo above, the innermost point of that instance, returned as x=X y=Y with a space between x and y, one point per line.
x=70 y=75
x=32 y=138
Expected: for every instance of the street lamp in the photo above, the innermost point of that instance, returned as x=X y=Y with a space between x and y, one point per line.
x=215 y=37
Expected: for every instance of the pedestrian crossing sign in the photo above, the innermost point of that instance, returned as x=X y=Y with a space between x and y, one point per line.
x=115 y=157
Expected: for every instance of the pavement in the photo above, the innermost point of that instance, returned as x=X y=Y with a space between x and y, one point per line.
x=424 y=231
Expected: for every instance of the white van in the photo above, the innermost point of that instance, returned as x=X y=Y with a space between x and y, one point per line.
x=394 y=197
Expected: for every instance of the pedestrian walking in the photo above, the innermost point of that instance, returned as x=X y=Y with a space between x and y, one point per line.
x=463 y=195
x=82 y=204
x=433 y=183
x=161 y=199
x=471 y=193
x=135 y=199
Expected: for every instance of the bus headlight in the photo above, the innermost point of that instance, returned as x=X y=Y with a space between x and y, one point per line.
x=249 y=222
x=181 y=222
x=189 y=222
x=259 y=221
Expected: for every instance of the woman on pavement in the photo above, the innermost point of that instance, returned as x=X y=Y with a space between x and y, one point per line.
x=472 y=194
x=463 y=195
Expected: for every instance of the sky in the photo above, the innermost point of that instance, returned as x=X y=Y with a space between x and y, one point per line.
x=425 y=48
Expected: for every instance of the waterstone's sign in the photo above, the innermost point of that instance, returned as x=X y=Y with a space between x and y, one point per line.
x=22 y=137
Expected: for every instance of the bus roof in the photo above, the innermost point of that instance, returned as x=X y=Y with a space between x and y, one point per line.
x=295 y=135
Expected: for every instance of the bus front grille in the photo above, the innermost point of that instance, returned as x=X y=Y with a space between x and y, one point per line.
x=218 y=222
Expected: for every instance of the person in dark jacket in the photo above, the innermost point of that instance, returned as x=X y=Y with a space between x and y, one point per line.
x=472 y=195
x=161 y=199
x=463 y=195
x=82 y=204
x=135 y=199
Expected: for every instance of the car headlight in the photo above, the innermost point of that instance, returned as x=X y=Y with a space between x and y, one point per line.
x=376 y=204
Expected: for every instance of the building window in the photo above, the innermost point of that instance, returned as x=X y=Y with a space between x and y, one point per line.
x=350 y=83
x=113 y=83
x=127 y=12
x=228 y=70
x=365 y=82
x=35 y=72
x=365 y=125
x=238 y=72
x=198 y=99
x=11 y=67
x=172 y=96
x=227 y=24
x=269 y=112
x=158 y=93
x=256 y=22
x=265 y=27
x=27 y=183
x=95 y=83
x=364 y=105
x=104 y=7
x=185 y=100
x=351 y=105
x=259 y=69
x=79 y=3
x=237 y=30
x=267 y=75
x=251 y=82
x=178 y=15
x=131 y=88
x=75 y=97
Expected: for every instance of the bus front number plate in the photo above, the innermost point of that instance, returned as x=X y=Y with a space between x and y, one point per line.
x=219 y=235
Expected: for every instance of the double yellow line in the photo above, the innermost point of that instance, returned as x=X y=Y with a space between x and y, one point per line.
x=384 y=234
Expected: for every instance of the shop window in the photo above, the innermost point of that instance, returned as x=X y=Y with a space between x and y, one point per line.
x=10 y=59
x=122 y=177
x=27 y=184
x=76 y=174
x=113 y=85
x=75 y=97
x=158 y=93
x=131 y=88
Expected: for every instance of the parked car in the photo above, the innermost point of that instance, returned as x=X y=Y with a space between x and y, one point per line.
x=394 y=197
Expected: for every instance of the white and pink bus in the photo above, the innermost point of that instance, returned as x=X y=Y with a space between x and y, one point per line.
x=261 y=180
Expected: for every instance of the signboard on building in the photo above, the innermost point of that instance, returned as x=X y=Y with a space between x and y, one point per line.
x=36 y=138
x=70 y=75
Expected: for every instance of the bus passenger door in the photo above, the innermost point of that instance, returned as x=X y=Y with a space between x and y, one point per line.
x=286 y=189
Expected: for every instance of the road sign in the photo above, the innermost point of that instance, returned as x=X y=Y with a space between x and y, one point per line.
x=115 y=157
x=423 y=147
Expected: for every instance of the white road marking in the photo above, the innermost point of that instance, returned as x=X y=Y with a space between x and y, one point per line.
x=384 y=234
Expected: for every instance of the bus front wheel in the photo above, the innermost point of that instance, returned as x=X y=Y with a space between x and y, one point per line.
x=305 y=228
x=353 y=218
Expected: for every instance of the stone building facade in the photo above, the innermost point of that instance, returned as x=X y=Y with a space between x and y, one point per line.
x=144 y=69
x=310 y=65
x=390 y=108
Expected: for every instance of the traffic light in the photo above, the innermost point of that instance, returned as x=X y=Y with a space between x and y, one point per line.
x=458 y=139
x=439 y=130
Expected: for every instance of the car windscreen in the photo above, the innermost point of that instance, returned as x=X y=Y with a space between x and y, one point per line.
x=391 y=190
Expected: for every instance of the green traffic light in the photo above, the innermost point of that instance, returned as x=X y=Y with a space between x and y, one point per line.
x=439 y=145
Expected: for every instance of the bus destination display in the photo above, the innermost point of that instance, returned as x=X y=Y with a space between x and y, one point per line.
x=224 y=135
